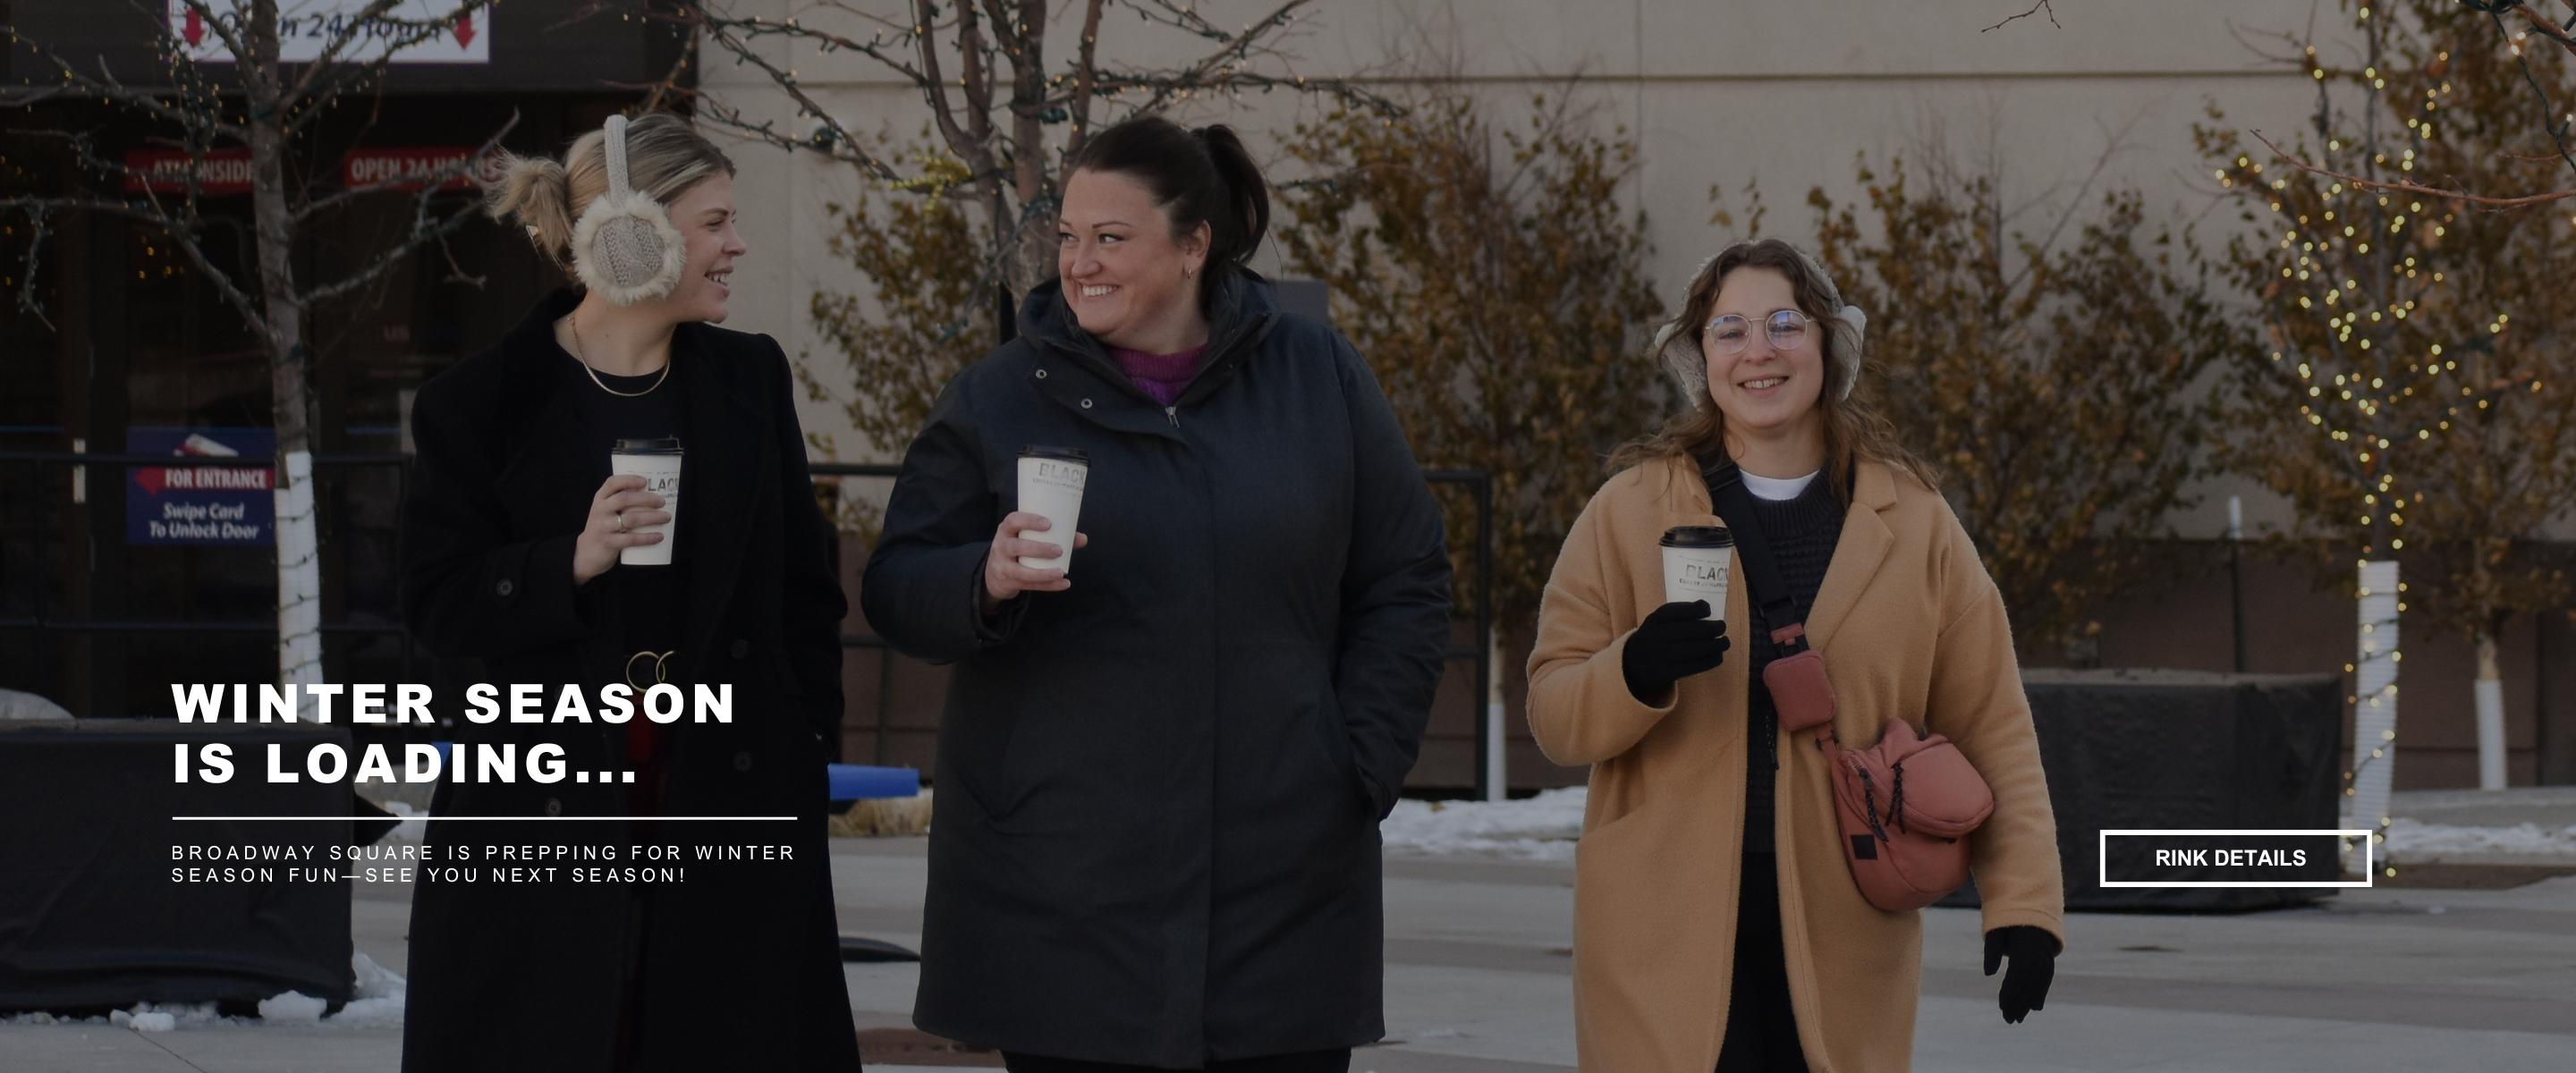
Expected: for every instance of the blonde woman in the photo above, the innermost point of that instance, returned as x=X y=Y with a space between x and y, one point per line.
x=1717 y=924
x=520 y=549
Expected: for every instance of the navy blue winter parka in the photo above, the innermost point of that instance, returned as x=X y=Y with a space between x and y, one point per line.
x=1157 y=793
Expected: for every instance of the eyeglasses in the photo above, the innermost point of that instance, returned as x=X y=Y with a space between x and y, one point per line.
x=1786 y=328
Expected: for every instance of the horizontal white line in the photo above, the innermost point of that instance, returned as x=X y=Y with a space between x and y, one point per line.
x=2232 y=832
x=512 y=819
x=2232 y=886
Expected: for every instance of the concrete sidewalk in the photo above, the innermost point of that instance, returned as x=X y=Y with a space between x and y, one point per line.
x=1478 y=979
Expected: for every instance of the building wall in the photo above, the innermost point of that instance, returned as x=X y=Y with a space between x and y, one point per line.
x=1718 y=96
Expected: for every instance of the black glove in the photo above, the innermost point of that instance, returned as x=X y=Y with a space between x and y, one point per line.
x=1675 y=642
x=2034 y=964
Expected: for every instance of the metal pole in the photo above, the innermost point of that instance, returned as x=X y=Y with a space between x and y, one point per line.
x=885 y=697
x=2236 y=573
x=1492 y=783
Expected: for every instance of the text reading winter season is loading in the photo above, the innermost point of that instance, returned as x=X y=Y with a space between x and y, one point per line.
x=410 y=703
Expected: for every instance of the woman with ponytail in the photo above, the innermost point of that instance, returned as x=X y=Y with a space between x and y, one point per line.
x=1160 y=775
x=523 y=550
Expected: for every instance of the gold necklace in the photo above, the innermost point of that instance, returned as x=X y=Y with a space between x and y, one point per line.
x=574 y=320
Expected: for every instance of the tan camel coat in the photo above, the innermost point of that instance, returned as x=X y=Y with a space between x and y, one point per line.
x=1911 y=628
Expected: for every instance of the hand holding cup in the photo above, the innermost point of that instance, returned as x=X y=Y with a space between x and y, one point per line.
x=604 y=536
x=1004 y=575
x=1675 y=642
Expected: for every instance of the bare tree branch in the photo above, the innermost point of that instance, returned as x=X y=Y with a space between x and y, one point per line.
x=456 y=273
x=2035 y=9
x=463 y=167
x=36 y=221
x=786 y=82
x=1086 y=75
x=110 y=90
x=2412 y=188
x=422 y=232
x=942 y=112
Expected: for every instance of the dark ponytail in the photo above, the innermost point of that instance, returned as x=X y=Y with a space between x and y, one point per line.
x=1202 y=176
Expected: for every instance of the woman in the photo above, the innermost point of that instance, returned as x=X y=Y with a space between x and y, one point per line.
x=1160 y=778
x=1716 y=921
x=512 y=546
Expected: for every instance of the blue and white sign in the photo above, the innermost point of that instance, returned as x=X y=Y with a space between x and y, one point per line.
x=233 y=506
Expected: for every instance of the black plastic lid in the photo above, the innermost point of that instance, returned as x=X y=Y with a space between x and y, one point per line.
x=662 y=446
x=1067 y=453
x=1698 y=536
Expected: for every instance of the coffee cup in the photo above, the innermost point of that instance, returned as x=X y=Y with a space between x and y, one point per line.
x=1696 y=559
x=1051 y=480
x=658 y=462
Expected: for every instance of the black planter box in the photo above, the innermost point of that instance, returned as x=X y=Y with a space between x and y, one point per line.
x=2132 y=749
x=90 y=914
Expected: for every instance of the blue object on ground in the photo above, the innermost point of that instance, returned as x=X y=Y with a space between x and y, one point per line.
x=853 y=782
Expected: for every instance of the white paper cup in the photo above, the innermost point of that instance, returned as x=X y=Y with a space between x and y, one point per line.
x=1051 y=480
x=658 y=462
x=1696 y=559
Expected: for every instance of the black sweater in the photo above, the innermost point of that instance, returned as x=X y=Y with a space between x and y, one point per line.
x=1801 y=533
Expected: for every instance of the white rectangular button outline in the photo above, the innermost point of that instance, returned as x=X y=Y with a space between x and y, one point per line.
x=2102 y=857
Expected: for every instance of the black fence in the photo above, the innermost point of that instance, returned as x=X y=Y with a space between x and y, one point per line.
x=31 y=518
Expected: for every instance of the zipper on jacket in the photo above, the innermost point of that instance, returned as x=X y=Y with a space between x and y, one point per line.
x=1174 y=414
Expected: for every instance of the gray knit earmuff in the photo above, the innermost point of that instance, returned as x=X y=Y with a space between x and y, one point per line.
x=1682 y=358
x=624 y=246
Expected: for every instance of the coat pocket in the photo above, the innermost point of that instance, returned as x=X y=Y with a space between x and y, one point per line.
x=1333 y=737
x=977 y=735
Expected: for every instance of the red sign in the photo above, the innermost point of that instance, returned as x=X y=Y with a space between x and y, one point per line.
x=227 y=171
x=403 y=169
x=165 y=171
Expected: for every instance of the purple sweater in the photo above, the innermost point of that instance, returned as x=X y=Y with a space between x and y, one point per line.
x=1160 y=375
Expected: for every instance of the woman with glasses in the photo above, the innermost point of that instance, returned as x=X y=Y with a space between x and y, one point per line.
x=1717 y=924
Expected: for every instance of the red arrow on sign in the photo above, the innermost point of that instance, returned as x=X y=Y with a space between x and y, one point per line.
x=195 y=30
x=465 y=32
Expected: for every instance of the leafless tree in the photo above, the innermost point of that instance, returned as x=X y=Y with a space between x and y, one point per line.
x=250 y=98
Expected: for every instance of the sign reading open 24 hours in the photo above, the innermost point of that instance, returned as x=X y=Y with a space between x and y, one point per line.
x=181 y=504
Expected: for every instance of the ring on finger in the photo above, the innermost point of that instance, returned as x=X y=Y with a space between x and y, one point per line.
x=621 y=521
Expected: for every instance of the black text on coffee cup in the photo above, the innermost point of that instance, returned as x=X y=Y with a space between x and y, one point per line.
x=1696 y=560
x=658 y=462
x=1051 y=483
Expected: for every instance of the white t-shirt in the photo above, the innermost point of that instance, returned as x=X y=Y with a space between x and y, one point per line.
x=1777 y=489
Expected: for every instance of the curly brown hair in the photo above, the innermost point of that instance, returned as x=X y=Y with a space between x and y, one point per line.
x=1854 y=426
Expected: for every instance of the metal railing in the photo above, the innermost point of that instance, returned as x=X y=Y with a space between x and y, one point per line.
x=1479 y=485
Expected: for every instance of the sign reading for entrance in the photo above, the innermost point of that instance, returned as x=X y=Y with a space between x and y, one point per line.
x=306 y=27
x=233 y=506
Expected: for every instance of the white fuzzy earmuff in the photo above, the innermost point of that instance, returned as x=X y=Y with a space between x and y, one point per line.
x=624 y=246
x=1849 y=326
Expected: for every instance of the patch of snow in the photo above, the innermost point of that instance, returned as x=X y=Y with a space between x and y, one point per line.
x=293 y=1006
x=2419 y=841
x=379 y=998
x=152 y=1021
x=1541 y=828
x=378 y=1003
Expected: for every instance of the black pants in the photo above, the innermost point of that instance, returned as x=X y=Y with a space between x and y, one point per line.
x=1761 y=1030
x=1334 y=1061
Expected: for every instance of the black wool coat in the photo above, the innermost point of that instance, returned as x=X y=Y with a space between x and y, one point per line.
x=740 y=964
x=1155 y=837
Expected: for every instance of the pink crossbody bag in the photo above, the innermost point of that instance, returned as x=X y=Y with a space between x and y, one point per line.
x=1906 y=805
